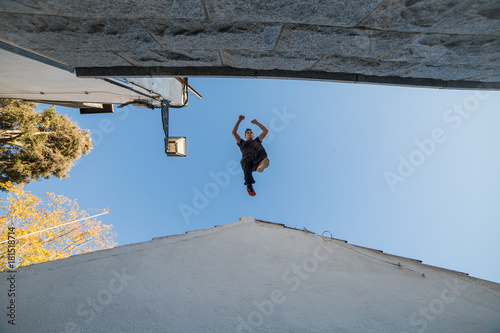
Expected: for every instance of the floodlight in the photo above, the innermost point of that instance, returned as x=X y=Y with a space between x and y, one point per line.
x=175 y=146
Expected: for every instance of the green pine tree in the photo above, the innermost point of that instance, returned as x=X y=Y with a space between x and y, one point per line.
x=35 y=145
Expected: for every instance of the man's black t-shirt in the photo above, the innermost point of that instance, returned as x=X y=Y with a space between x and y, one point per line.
x=250 y=147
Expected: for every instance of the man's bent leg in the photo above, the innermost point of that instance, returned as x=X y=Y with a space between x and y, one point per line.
x=263 y=165
x=262 y=161
x=261 y=154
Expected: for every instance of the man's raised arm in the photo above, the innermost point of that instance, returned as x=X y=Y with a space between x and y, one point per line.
x=262 y=127
x=235 y=129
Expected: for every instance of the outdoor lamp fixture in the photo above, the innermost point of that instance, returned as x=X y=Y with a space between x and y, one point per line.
x=174 y=146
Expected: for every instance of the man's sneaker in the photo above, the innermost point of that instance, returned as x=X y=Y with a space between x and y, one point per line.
x=263 y=164
x=250 y=190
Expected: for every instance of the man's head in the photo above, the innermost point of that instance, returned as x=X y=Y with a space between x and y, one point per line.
x=248 y=134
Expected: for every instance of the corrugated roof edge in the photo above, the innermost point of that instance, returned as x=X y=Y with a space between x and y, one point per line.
x=367 y=248
x=245 y=219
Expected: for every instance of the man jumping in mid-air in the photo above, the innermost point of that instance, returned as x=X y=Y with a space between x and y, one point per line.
x=254 y=156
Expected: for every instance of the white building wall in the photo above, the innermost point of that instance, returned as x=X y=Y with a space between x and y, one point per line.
x=247 y=276
x=30 y=79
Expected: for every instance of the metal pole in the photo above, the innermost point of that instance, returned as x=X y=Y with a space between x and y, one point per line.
x=164 y=118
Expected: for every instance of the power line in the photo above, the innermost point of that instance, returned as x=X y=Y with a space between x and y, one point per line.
x=60 y=225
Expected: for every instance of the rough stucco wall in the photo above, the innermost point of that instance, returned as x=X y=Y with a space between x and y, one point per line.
x=419 y=41
x=248 y=277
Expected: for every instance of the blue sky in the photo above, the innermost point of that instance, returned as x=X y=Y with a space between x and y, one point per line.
x=410 y=171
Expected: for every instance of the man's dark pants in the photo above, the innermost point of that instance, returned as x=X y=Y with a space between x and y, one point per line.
x=249 y=164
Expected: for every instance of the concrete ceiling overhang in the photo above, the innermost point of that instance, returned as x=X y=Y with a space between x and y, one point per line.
x=430 y=43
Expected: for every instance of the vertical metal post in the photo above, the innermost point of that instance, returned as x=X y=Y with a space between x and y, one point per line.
x=164 y=119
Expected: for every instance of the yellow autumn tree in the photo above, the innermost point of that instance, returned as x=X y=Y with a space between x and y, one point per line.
x=35 y=218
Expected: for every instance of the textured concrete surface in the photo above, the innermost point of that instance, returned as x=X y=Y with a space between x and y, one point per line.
x=246 y=277
x=442 y=43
